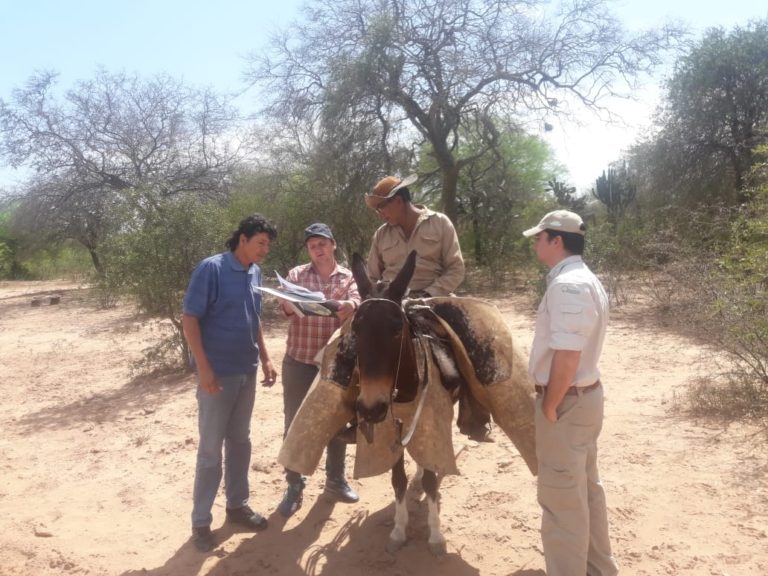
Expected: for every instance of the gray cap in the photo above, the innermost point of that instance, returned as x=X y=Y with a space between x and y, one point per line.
x=317 y=229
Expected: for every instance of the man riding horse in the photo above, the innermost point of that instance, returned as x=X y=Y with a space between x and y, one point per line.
x=439 y=264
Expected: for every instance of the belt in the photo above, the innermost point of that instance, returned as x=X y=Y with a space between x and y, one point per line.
x=573 y=390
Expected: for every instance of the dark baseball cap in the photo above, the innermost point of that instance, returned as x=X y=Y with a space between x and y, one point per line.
x=317 y=229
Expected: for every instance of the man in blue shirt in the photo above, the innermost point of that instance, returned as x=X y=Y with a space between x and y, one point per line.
x=222 y=326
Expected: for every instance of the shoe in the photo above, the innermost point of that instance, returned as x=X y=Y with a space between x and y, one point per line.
x=202 y=537
x=481 y=433
x=244 y=516
x=340 y=491
x=291 y=502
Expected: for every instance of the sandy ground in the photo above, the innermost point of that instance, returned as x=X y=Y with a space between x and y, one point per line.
x=97 y=467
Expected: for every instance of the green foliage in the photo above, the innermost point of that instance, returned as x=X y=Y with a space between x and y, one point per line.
x=713 y=283
x=152 y=259
x=500 y=192
x=296 y=200
x=714 y=115
x=22 y=258
x=65 y=260
x=742 y=302
x=9 y=265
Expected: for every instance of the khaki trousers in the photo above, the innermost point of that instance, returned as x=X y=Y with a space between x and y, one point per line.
x=574 y=523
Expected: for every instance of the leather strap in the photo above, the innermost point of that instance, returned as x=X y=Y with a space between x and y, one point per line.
x=573 y=390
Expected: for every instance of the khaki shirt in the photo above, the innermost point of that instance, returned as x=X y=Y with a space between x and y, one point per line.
x=439 y=265
x=573 y=315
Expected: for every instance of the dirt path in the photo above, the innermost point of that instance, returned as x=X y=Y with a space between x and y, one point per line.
x=97 y=467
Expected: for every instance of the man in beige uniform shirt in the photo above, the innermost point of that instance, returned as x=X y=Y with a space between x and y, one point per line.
x=570 y=329
x=439 y=265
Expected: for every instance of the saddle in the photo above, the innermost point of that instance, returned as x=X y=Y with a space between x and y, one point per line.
x=492 y=376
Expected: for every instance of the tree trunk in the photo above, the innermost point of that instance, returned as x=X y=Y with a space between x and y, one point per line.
x=450 y=185
x=96 y=261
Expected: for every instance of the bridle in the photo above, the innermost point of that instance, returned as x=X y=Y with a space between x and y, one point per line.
x=404 y=335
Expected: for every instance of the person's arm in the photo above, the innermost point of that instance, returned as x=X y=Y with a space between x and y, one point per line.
x=452 y=262
x=270 y=374
x=285 y=307
x=191 y=327
x=351 y=301
x=562 y=374
x=572 y=316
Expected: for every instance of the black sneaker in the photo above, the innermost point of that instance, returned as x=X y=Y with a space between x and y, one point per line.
x=202 y=537
x=340 y=491
x=244 y=516
x=480 y=433
x=291 y=502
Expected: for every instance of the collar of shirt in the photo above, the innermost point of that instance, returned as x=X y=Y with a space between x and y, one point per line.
x=234 y=263
x=426 y=213
x=558 y=268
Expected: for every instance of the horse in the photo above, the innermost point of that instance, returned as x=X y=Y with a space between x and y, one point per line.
x=388 y=373
x=396 y=368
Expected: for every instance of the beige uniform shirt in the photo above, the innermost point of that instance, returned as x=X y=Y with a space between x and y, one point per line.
x=573 y=315
x=439 y=265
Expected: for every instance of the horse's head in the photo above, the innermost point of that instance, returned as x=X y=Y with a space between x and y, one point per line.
x=384 y=351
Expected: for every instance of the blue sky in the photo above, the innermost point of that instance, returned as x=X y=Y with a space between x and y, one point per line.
x=204 y=42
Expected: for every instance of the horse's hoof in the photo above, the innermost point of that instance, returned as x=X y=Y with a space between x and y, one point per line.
x=394 y=546
x=438 y=548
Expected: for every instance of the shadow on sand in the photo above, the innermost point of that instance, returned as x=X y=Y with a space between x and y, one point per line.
x=358 y=546
x=139 y=396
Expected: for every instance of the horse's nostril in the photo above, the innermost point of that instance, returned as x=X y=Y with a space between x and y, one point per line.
x=374 y=414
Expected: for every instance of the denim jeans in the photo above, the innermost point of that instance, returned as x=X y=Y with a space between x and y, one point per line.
x=297 y=379
x=224 y=419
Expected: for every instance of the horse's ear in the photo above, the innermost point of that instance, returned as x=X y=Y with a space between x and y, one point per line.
x=399 y=286
x=360 y=272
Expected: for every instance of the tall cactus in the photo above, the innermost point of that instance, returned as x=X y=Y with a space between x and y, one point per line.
x=616 y=190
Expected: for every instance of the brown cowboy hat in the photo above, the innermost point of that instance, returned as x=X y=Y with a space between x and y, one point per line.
x=386 y=188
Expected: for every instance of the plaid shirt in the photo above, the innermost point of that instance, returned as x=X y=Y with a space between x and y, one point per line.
x=308 y=335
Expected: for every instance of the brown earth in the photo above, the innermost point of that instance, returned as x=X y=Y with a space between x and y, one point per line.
x=97 y=466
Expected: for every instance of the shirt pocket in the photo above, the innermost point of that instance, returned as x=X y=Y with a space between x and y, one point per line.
x=572 y=317
x=391 y=252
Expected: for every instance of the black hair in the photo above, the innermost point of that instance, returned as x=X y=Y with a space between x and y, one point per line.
x=249 y=227
x=404 y=193
x=572 y=242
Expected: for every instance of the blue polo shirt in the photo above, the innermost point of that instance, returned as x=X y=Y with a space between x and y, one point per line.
x=221 y=295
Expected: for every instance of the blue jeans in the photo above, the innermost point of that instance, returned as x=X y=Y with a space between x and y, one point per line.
x=297 y=379
x=224 y=419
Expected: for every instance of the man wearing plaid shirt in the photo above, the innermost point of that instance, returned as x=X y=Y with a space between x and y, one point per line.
x=306 y=337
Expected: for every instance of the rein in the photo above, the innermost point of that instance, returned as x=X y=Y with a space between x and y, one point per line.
x=404 y=440
x=422 y=382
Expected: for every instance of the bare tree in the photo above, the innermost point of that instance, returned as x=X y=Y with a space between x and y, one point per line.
x=441 y=67
x=113 y=139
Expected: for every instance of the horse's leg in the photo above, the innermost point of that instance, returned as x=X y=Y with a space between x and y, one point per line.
x=399 y=483
x=431 y=487
x=418 y=480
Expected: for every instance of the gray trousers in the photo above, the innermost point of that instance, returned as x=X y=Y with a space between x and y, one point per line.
x=574 y=523
x=297 y=378
x=223 y=419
